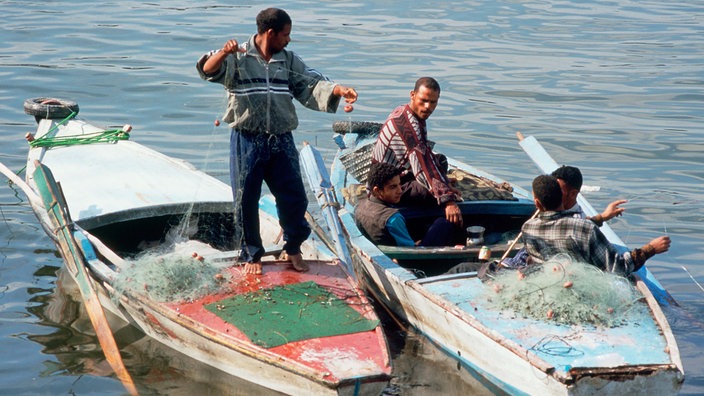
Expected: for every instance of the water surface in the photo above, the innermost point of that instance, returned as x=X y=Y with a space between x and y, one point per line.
x=614 y=88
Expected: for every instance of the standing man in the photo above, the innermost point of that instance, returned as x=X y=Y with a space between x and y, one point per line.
x=262 y=78
x=556 y=231
x=403 y=142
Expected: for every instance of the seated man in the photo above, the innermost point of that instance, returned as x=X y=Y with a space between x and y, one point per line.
x=556 y=231
x=383 y=224
x=403 y=142
x=570 y=180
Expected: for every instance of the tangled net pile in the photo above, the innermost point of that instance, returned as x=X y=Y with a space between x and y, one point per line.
x=170 y=276
x=568 y=292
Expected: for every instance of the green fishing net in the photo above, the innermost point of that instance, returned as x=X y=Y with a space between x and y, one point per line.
x=170 y=275
x=568 y=292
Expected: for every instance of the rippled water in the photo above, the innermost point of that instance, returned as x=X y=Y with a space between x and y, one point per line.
x=612 y=87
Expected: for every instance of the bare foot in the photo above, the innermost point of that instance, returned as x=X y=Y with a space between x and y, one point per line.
x=253 y=268
x=298 y=263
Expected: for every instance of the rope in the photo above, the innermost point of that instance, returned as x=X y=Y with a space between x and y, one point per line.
x=107 y=136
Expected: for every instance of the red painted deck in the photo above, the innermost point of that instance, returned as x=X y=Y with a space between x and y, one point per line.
x=331 y=356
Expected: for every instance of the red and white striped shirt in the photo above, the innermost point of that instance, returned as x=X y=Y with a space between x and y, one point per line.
x=403 y=142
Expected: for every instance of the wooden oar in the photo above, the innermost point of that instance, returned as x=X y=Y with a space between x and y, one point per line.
x=53 y=201
x=545 y=163
x=320 y=183
x=319 y=180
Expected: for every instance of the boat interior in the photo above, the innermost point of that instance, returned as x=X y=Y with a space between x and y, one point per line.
x=487 y=203
x=130 y=237
x=501 y=221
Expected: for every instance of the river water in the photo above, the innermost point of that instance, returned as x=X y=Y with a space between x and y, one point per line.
x=615 y=88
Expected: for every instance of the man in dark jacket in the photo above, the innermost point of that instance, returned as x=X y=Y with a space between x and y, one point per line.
x=262 y=78
x=382 y=222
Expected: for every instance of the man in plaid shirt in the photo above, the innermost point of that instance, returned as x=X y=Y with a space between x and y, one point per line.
x=403 y=143
x=570 y=180
x=556 y=230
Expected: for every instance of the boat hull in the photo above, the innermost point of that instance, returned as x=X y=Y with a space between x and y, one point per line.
x=503 y=348
x=122 y=195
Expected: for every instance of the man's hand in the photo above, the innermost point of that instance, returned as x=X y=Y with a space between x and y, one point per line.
x=660 y=244
x=613 y=210
x=231 y=47
x=213 y=63
x=348 y=93
x=453 y=214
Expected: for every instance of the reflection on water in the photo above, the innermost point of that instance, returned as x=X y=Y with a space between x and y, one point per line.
x=156 y=369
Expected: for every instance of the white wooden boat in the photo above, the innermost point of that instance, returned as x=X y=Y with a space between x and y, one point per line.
x=510 y=351
x=116 y=194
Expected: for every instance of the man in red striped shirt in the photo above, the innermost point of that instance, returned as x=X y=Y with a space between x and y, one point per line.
x=403 y=142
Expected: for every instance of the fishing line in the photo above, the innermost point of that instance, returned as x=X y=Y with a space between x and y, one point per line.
x=188 y=219
x=693 y=280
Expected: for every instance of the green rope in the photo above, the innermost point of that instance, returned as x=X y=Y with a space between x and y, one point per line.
x=107 y=136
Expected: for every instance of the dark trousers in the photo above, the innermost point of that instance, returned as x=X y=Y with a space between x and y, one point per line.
x=258 y=158
x=441 y=233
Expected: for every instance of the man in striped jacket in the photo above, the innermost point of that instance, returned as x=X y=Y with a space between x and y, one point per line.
x=262 y=78
x=403 y=142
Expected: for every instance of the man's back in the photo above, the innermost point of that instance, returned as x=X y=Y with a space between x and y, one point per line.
x=553 y=233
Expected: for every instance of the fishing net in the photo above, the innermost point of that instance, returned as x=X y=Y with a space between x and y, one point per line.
x=568 y=292
x=171 y=273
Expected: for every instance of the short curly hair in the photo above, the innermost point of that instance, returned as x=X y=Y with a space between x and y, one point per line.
x=272 y=18
x=380 y=174
x=547 y=190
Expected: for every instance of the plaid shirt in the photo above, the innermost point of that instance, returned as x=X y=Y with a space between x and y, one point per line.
x=403 y=142
x=551 y=233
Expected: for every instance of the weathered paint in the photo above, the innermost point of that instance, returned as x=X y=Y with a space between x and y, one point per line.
x=141 y=182
x=504 y=349
x=147 y=183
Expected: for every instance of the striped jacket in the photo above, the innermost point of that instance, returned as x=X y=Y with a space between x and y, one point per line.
x=260 y=94
x=403 y=142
